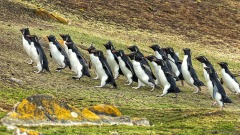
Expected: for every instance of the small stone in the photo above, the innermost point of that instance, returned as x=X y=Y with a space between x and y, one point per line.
x=74 y=114
x=16 y=80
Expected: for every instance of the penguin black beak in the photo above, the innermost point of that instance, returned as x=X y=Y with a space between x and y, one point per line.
x=61 y=35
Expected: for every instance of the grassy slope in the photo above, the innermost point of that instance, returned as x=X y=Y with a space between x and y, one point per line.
x=189 y=113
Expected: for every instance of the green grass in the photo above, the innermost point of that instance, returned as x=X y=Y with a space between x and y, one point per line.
x=188 y=114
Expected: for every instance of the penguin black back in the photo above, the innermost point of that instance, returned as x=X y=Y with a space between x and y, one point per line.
x=106 y=67
x=41 y=53
x=128 y=63
x=217 y=85
x=224 y=65
x=66 y=37
x=204 y=60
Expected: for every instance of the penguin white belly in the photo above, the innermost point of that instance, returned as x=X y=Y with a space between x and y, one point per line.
x=112 y=62
x=186 y=74
x=123 y=67
x=173 y=65
x=65 y=48
x=26 y=46
x=75 y=63
x=159 y=56
x=93 y=60
x=205 y=74
x=156 y=68
x=99 y=69
x=210 y=88
x=35 y=57
x=56 y=55
x=142 y=76
x=230 y=83
x=162 y=77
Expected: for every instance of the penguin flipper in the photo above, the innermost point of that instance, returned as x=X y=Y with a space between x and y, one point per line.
x=50 y=54
x=193 y=74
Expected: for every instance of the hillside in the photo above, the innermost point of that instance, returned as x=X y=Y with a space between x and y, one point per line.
x=209 y=28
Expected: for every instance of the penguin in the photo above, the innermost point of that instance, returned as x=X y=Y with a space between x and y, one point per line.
x=155 y=66
x=103 y=69
x=112 y=60
x=58 y=53
x=175 y=64
x=143 y=73
x=26 y=42
x=166 y=78
x=93 y=59
x=189 y=73
x=231 y=82
x=38 y=55
x=66 y=38
x=216 y=89
x=126 y=66
x=136 y=50
x=206 y=63
x=160 y=54
x=78 y=64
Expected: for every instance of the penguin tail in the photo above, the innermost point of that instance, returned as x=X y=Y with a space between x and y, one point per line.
x=227 y=100
x=176 y=90
x=200 y=83
x=114 y=84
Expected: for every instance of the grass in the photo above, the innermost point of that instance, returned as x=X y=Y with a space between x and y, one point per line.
x=188 y=114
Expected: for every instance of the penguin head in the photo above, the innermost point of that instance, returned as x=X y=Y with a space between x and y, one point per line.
x=133 y=48
x=109 y=46
x=223 y=65
x=155 y=47
x=70 y=45
x=51 y=38
x=119 y=53
x=134 y=56
x=25 y=31
x=33 y=38
x=98 y=53
x=202 y=59
x=187 y=51
x=169 y=50
x=208 y=70
x=66 y=37
x=90 y=49
x=150 y=57
x=160 y=62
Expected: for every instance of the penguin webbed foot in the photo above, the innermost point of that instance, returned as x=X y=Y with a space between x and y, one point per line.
x=76 y=77
x=214 y=103
x=128 y=84
x=96 y=78
x=58 y=69
x=98 y=86
x=30 y=62
x=37 y=72
x=176 y=95
x=136 y=87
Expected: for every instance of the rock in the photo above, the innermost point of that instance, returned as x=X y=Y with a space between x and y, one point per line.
x=46 y=14
x=140 y=122
x=45 y=110
x=22 y=131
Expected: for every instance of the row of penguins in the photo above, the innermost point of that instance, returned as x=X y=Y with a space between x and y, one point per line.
x=134 y=66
